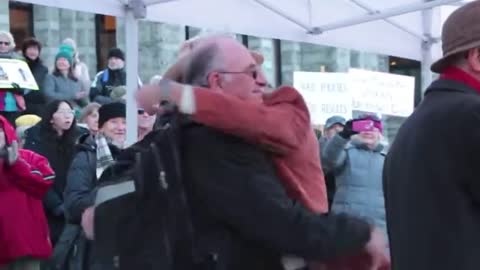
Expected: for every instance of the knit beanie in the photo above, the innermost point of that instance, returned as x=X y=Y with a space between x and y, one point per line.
x=64 y=54
x=110 y=111
x=67 y=48
x=116 y=52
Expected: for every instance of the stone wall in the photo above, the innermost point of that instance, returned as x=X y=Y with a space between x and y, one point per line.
x=53 y=25
x=158 y=46
x=4 y=16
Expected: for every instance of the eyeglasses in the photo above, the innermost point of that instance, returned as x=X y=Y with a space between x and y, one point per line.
x=6 y=43
x=251 y=73
x=66 y=112
x=140 y=111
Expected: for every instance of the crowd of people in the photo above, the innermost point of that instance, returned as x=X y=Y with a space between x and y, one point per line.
x=263 y=190
x=66 y=132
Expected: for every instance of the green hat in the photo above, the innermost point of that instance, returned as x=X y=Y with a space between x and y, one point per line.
x=66 y=55
x=67 y=48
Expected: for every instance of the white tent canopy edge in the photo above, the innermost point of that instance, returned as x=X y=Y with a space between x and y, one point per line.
x=404 y=28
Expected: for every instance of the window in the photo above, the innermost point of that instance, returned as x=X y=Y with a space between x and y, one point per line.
x=106 y=31
x=21 y=22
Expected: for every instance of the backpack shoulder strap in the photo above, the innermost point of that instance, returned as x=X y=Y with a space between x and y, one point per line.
x=105 y=75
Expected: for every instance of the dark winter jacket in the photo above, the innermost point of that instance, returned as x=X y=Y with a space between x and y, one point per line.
x=81 y=179
x=104 y=82
x=80 y=190
x=35 y=100
x=431 y=181
x=60 y=154
x=242 y=215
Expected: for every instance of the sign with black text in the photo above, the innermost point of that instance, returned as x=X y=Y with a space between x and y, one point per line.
x=326 y=94
x=382 y=93
x=15 y=74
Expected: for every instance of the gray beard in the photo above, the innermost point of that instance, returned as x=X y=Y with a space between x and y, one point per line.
x=116 y=67
x=112 y=142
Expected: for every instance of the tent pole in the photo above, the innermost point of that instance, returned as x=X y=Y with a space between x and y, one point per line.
x=427 y=24
x=284 y=15
x=131 y=51
x=427 y=75
x=380 y=15
x=154 y=2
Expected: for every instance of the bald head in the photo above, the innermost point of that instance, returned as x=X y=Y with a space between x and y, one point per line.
x=224 y=64
x=213 y=53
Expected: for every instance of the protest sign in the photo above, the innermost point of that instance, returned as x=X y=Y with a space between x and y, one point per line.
x=325 y=94
x=15 y=74
x=382 y=93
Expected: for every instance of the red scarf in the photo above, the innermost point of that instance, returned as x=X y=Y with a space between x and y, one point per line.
x=457 y=74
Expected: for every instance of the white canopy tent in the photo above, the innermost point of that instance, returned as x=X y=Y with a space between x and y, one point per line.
x=403 y=28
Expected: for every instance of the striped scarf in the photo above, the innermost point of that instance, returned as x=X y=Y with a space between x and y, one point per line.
x=104 y=155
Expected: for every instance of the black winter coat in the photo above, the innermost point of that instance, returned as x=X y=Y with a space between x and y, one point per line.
x=242 y=215
x=81 y=180
x=59 y=154
x=35 y=100
x=103 y=84
x=80 y=189
x=431 y=182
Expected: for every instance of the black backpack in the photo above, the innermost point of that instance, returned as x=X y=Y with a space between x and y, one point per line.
x=142 y=218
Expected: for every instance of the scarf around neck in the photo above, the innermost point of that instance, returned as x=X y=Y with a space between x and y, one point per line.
x=104 y=154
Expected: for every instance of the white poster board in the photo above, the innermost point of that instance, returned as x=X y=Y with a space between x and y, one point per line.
x=325 y=94
x=16 y=72
x=382 y=93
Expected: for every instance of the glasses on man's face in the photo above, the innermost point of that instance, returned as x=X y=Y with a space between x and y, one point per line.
x=6 y=43
x=252 y=73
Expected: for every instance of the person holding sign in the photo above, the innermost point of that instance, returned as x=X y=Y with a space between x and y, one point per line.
x=11 y=98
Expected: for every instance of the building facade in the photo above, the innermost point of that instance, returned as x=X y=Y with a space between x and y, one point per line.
x=159 y=43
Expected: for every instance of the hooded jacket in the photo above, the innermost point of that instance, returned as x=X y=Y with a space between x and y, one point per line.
x=23 y=225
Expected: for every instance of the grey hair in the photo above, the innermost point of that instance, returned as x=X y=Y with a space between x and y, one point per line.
x=202 y=62
x=9 y=36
